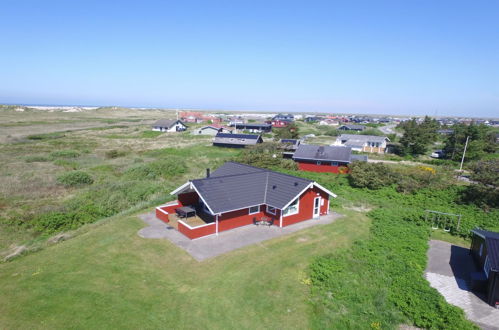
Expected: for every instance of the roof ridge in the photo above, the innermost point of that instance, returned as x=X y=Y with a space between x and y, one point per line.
x=266 y=186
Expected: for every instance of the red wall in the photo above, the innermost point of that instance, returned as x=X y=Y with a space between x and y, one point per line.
x=313 y=167
x=240 y=218
x=306 y=207
x=197 y=232
x=161 y=216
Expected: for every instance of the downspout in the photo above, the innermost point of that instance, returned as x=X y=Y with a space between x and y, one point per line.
x=216 y=224
x=280 y=218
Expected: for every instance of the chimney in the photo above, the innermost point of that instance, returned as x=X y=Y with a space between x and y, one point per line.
x=207 y=172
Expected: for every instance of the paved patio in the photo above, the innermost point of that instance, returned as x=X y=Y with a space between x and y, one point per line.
x=448 y=271
x=211 y=246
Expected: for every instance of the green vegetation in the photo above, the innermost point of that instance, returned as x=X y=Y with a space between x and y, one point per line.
x=383 y=276
x=418 y=136
x=75 y=178
x=291 y=131
x=47 y=136
x=485 y=191
x=265 y=155
x=65 y=154
x=481 y=142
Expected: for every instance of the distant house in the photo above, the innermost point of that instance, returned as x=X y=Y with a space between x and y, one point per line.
x=279 y=123
x=169 y=125
x=237 y=195
x=485 y=252
x=312 y=119
x=352 y=127
x=290 y=144
x=253 y=127
x=365 y=143
x=288 y=117
x=211 y=130
x=236 y=140
x=333 y=159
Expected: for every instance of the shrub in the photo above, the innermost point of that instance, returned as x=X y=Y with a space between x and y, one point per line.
x=370 y=175
x=75 y=178
x=47 y=136
x=113 y=153
x=33 y=159
x=65 y=154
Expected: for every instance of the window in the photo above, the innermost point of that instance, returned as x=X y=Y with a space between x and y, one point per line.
x=486 y=266
x=254 y=209
x=292 y=208
x=334 y=163
x=318 y=163
x=481 y=250
x=271 y=209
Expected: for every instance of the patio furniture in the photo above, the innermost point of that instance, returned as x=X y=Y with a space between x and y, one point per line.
x=270 y=222
x=186 y=212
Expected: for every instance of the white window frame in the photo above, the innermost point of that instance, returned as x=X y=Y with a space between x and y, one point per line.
x=334 y=164
x=297 y=208
x=269 y=211
x=249 y=209
x=486 y=266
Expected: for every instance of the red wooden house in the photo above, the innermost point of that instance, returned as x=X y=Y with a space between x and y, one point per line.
x=237 y=195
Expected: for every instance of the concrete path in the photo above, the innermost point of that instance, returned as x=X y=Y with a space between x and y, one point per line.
x=211 y=246
x=448 y=271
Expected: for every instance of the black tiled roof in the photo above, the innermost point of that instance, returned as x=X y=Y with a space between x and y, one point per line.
x=237 y=136
x=323 y=153
x=235 y=186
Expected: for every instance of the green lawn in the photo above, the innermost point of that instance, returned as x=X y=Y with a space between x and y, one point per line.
x=109 y=277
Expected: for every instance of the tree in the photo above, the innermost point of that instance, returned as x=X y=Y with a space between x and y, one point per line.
x=418 y=136
x=289 y=132
x=481 y=141
x=265 y=155
x=484 y=190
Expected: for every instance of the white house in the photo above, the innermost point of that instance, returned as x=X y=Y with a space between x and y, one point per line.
x=365 y=143
x=211 y=130
x=169 y=125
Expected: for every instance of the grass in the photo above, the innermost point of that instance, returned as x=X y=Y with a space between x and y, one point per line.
x=112 y=278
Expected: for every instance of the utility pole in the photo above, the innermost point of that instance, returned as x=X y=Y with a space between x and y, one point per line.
x=464 y=153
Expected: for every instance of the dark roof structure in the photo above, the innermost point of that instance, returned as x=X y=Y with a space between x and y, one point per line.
x=323 y=153
x=167 y=123
x=235 y=186
x=236 y=139
x=352 y=127
x=492 y=242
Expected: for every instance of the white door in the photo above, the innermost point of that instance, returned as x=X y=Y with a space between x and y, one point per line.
x=317 y=207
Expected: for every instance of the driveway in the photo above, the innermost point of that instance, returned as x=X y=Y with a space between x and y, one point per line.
x=211 y=246
x=448 y=271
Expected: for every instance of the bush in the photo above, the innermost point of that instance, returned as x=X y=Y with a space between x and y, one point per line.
x=114 y=153
x=47 y=136
x=370 y=175
x=75 y=178
x=33 y=159
x=65 y=154
x=151 y=134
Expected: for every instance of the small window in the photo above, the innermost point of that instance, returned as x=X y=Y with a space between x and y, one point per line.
x=271 y=210
x=334 y=163
x=319 y=163
x=254 y=209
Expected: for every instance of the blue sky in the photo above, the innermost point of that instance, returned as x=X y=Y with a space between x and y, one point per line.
x=408 y=57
